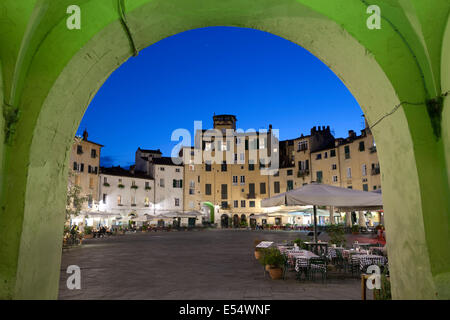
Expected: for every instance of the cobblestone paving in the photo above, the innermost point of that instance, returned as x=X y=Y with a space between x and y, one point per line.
x=213 y=264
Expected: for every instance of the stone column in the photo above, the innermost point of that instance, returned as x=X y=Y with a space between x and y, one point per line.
x=331 y=215
x=348 y=219
x=361 y=219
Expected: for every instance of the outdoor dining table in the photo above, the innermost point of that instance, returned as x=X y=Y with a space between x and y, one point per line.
x=332 y=251
x=302 y=258
x=366 y=260
x=348 y=253
x=317 y=247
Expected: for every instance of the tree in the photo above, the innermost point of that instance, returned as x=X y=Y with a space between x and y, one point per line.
x=75 y=200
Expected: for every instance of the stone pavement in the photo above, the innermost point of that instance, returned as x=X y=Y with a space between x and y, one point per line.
x=210 y=264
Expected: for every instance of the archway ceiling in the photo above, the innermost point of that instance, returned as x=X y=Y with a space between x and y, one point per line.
x=31 y=30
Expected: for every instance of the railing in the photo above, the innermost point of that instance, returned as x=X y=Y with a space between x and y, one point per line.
x=373 y=149
x=302 y=173
x=251 y=195
x=375 y=171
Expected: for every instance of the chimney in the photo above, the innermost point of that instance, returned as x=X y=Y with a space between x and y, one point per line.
x=85 y=135
x=351 y=134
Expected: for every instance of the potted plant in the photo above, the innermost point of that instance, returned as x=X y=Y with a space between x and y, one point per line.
x=337 y=235
x=355 y=229
x=106 y=184
x=88 y=232
x=148 y=188
x=121 y=186
x=134 y=186
x=257 y=250
x=276 y=261
x=300 y=243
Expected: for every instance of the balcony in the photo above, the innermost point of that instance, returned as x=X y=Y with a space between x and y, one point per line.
x=302 y=173
x=251 y=195
x=375 y=171
x=373 y=149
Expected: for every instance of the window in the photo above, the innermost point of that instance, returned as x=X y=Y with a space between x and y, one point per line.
x=289 y=172
x=192 y=187
x=161 y=182
x=191 y=167
x=349 y=173
x=361 y=146
x=147 y=184
x=318 y=156
x=177 y=170
x=207 y=166
x=224 y=205
x=262 y=188
x=77 y=180
x=79 y=149
x=347 y=152
x=93 y=153
x=224 y=191
x=208 y=189
x=177 y=202
x=104 y=198
x=177 y=183
x=251 y=167
x=251 y=190
x=251 y=204
x=333 y=166
x=235 y=180
x=332 y=153
x=335 y=179
x=319 y=176
x=242 y=180
x=81 y=167
x=89 y=169
x=242 y=156
x=75 y=166
x=224 y=166
x=242 y=203
x=349 y=187
x=276 y=186
x=91 y=183
x=105 y=180
x=365 y=187
x=133 y=200
x=90 y=201
x=302 y=145
x=364 y=170
x=236 y=203
x=325 y=155
x=119 y=200
x=161 y=168
x=290 y=185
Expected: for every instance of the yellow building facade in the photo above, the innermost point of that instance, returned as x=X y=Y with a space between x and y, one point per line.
x=85 y=168
x=235 y=188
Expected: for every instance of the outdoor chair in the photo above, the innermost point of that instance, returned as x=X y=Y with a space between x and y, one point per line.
x=339 y=262
x=317 y=265
x=353 y=265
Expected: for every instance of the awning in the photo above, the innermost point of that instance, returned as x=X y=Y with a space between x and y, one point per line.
x=326 y=195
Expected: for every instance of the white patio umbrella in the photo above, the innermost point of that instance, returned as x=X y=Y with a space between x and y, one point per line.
x=317 y=194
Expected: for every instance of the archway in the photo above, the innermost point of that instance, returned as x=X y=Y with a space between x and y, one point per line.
x=235 y=221
x=224 y=221
x=407 y=60
x=211 y=211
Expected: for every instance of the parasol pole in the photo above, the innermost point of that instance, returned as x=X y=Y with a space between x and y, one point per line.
x=315 y=224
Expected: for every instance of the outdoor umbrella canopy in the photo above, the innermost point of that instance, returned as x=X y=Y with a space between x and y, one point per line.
x=317 y=194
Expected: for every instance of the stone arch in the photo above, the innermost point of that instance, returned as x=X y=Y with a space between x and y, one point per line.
x=377 y=67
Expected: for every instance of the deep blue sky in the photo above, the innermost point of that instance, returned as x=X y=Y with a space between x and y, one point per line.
x=259 y=77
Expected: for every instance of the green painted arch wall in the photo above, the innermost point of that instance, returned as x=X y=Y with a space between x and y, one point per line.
x=76 y=63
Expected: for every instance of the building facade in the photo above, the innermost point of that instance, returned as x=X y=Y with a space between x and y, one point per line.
x=233 y=191
x=85 y=165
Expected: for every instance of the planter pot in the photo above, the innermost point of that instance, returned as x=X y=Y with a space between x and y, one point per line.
x=257 y=254
x=275 y=273
x=88 y=236
x=268 y=266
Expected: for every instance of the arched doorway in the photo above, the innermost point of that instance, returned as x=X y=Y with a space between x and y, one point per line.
x=252 y=221
x=224 y=221
x=403 y=61
x=235 y=221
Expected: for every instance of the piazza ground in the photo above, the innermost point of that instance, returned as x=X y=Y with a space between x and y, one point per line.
x=209 y=264
x=398 y=74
